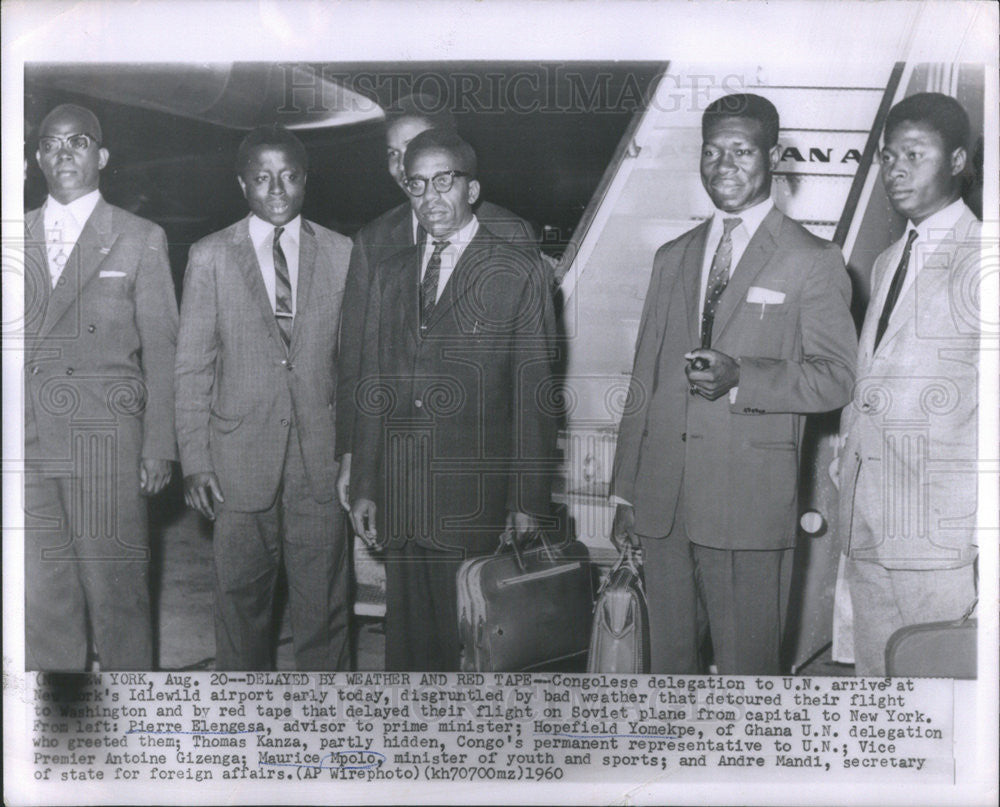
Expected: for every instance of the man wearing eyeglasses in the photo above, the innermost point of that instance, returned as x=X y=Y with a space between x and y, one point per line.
x=388 y=234
x=453 y=446
x=100 y=328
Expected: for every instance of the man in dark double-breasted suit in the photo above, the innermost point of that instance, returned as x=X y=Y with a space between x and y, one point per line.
x=100 y=330
x=746 y=328
x=453 y=442
x=256 y=386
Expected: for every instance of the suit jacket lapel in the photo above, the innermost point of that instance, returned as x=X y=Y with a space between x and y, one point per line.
x=95 y=242
x=758 y=252
x=906 y=307
x=307 y=269
x=245 y=258
x=691 y=263
x=37 y=281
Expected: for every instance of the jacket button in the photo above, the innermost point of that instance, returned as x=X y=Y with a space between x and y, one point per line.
x=91 y=328
x=69 y=371
x=289 y=366
x=684 y=437
x=284 y=421
x=61 y=281
x=418 y=403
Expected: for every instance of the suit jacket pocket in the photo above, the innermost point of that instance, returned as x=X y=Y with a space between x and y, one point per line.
x=224 y=423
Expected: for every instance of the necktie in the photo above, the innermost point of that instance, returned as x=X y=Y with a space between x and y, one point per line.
x=429 y=285
x=894 y=288
x=282 y=290
x=718 y=278
x=57 y=248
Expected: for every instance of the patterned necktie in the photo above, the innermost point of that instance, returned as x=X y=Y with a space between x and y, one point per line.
x=58 y=249
x=429 y=285
x=718 y=278
x=282 y=290
x=894 y=288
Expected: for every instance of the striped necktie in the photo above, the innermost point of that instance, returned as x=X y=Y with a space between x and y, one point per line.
x=282 y=290
x=429 y=285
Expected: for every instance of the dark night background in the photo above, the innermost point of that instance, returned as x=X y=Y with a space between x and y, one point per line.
x=544 y=135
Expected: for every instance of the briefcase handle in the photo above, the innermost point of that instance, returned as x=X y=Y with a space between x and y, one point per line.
x=631 y=557
x=507 y=539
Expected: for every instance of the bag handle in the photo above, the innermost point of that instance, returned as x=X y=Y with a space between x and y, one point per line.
x=507 y=538
x=631 y=557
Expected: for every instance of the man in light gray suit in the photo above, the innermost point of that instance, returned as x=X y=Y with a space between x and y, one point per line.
x=100 y=327
x=255 y=387
x=908 y=470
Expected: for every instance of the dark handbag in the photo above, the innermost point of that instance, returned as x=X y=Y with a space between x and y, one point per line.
x=619 y=641
x=934 y=649
x=520 y=609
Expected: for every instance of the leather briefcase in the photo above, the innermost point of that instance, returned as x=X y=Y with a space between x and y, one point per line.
x=521 y=609
x=934 y=650
x=619 y=641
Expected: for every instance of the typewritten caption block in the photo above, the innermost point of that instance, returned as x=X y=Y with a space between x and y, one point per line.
x=293 y=727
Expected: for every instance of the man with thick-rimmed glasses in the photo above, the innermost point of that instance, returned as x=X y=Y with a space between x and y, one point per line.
x=100 y=330
x=452 y=445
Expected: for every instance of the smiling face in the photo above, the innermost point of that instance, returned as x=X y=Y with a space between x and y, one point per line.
x=736 y=164
x=442 y=214
x=397 y=137
x=919 y=173
x=274 y=184
x=70 y=173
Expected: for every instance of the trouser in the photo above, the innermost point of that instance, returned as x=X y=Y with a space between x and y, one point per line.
x=421 y=619
x=885 y=600
x=741 y=592
x=87 y=560
x=249 y=548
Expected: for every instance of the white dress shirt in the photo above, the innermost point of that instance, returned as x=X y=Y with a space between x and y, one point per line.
x=931 y=232
x=262 y=236
x=63 y=225
x=451 y=254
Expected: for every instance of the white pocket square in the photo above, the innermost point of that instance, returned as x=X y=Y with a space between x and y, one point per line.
x=112 y=274
x=762 y=296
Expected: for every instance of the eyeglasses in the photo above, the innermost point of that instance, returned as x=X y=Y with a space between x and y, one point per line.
x=442 y=182
x=79 y=142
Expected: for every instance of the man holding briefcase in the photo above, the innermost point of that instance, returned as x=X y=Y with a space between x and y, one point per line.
x=450 y=441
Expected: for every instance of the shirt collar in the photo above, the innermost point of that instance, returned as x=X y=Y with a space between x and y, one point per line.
x=80 y=208
x=751 y=217
x=261 y=230
x=935 y=227
x=460 y=238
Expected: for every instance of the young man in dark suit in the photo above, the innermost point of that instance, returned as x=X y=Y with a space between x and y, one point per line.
x=256 y=387
x=746 y=328
x=452 y=445
x=388 y=234
x=100 y=331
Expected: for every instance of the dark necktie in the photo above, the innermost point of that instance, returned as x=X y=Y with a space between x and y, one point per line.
x=429 y=285
x=718 y=278
x=894 y=288
x=282 y=290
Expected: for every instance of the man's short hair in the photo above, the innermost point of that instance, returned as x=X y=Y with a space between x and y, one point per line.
x=743 y=105
x=273 y=135
x=423 y=106
x=91 y=125
x=940 y=112
x=442 y=140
